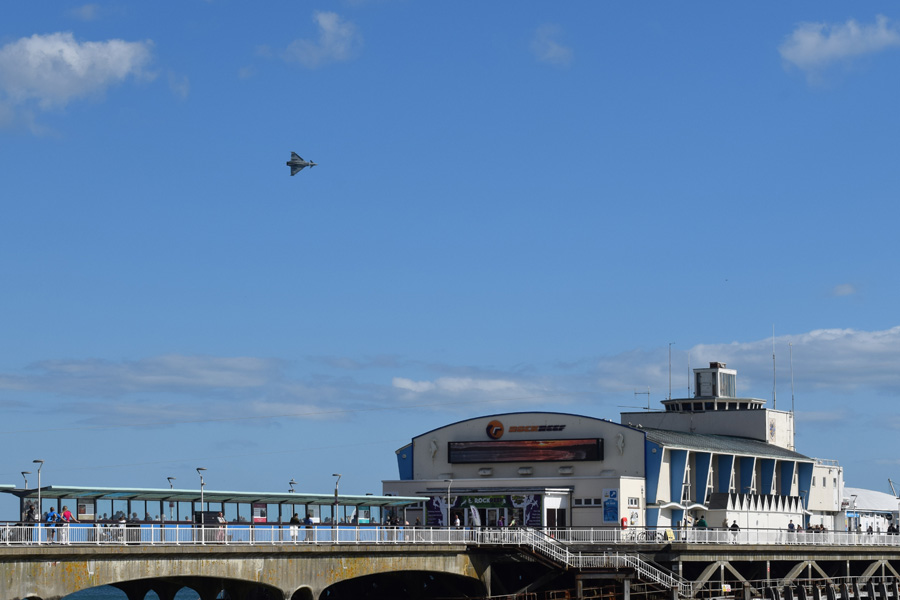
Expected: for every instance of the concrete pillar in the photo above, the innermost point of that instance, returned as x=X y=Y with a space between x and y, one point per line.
x=135 y=590
x=165 y=590
x=208 y=590
x=626 y=589
x=486 y=580
x=579 y=589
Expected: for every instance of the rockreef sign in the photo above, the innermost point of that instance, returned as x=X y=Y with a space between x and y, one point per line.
x=495 y=429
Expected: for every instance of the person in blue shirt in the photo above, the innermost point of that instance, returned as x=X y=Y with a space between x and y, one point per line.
x=52 y=518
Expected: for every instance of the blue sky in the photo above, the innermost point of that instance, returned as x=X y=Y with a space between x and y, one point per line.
x=518 y=206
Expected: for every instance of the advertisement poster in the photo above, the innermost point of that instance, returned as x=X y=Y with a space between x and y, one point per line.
x=610 y=506
x=259 y=513
x=528 y=504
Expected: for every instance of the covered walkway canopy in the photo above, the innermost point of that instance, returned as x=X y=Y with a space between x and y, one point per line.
x=89 y=497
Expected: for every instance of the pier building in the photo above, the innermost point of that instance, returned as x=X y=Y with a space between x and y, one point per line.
x=715 y=455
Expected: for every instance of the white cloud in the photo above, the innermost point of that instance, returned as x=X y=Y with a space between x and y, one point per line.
x=813 y=46
x=85 y=12
x=171 y=373
x=180 y=85
x=844 y=289
x=547 y=49
x=457 y=385
x=52 y=70
x=338 y=41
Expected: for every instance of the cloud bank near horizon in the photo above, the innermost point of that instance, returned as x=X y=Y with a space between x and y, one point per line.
x=827 y=363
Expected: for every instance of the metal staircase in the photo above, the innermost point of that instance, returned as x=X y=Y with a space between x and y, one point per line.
x=558 y=552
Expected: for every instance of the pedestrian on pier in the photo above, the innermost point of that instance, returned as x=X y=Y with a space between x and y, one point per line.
x=308 y=523
x=66 y=517
x=295 y=527
x=52 y=518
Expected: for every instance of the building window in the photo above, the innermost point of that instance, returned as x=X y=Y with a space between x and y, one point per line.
x=577 y=501
x=634 y=503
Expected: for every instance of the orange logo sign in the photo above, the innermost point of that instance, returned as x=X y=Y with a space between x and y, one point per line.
x=495 y=430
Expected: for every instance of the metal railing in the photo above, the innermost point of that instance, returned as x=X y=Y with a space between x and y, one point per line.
x=550 y=540
x=758 y=537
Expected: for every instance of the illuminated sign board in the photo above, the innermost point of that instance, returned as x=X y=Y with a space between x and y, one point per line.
x=525 y=451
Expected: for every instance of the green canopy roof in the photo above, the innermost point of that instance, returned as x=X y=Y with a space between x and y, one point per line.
x=216 y=496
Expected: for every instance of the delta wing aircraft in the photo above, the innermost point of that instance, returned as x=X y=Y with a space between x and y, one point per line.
x=297 y=163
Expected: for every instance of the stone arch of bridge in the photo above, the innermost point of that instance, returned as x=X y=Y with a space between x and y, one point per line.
x=287 y=572
x=207 y=588
x=406 y=585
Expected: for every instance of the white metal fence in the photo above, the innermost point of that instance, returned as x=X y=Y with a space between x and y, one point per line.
x=760 y=537
x=548 y=539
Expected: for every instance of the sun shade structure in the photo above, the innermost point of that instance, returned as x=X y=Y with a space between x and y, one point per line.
x=209 y=496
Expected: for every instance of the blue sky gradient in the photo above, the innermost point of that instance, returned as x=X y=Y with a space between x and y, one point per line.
x=518 y=206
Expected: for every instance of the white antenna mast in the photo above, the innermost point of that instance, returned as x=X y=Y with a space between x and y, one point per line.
x=774 y=398
x=689 y=375
x=791 y=347
x=670 y=370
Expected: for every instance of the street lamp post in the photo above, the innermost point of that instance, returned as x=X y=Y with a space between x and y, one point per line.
x=171 y=504
x=40 y=464
x=202 y=519
x=25 y=474
x=337 y=481
x=449 y=482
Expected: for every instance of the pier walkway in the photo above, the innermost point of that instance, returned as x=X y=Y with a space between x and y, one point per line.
x=300 y=563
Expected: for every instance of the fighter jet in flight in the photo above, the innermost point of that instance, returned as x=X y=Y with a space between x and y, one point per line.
x=297 y=163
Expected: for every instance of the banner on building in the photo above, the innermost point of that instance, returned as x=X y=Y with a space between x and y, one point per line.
x=529 y=504
x=610 y=506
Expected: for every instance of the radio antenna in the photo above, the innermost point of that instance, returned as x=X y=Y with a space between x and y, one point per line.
x=791 y=348
x=670 y=370
x=648 y=396
x=774 y=398
x=689 y=375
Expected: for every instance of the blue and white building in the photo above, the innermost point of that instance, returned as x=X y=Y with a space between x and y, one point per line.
x=716 y=455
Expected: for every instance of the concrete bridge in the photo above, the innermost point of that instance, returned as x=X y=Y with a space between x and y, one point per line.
x=245 y=572
x=421 y=564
